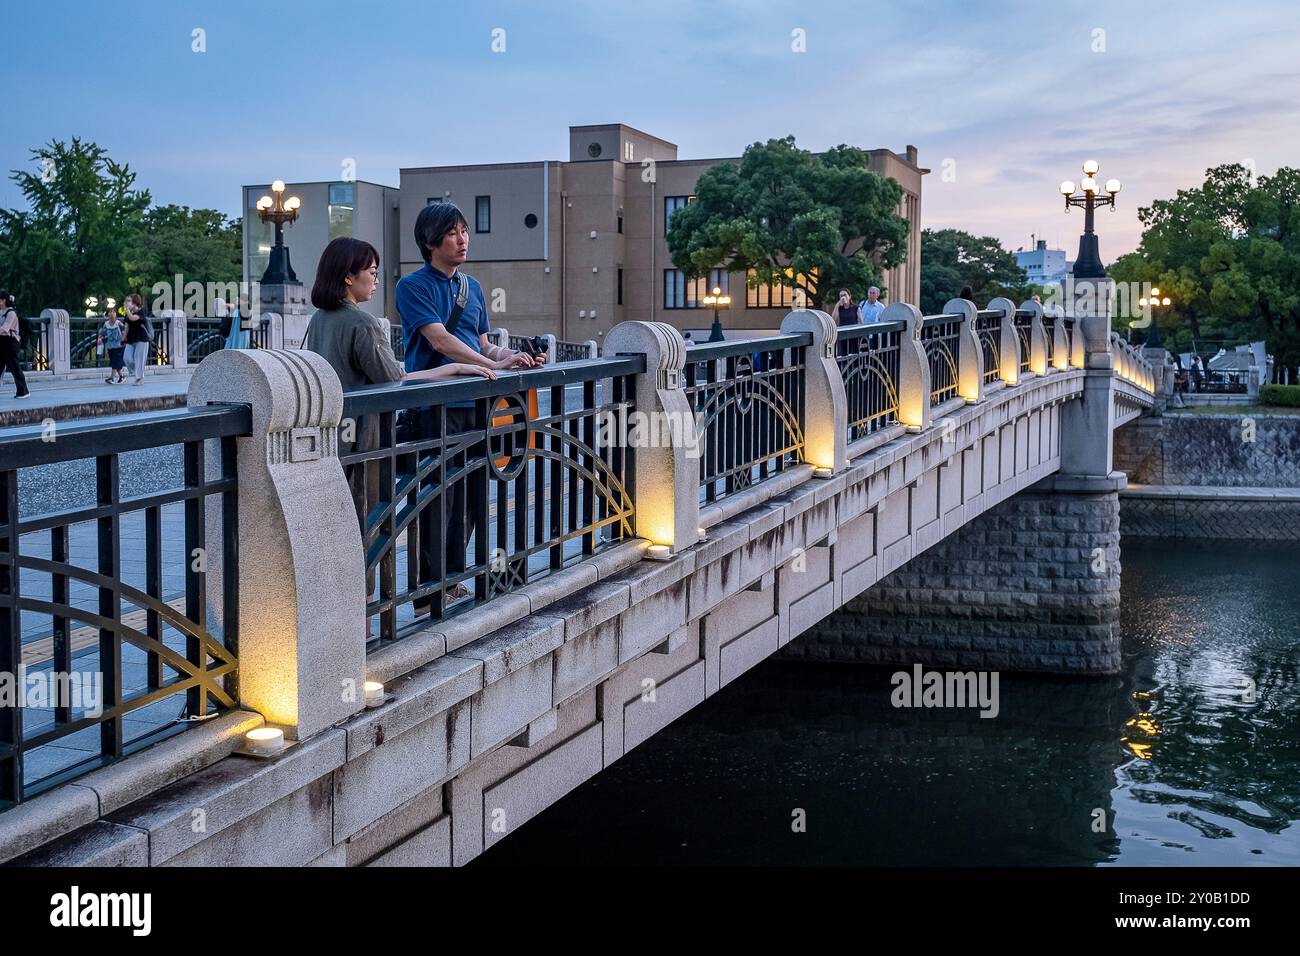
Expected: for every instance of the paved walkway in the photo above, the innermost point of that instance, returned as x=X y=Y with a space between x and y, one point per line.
x=77 y=398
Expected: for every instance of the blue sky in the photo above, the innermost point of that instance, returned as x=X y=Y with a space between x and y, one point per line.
x=1014 y=95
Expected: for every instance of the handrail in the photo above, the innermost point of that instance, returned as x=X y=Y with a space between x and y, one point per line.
x=706 y=351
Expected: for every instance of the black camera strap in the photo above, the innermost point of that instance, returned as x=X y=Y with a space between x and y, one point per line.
x=462 y=296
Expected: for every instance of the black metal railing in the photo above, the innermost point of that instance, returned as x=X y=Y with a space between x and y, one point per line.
x=259 y=334
x=202 y=338
x=988 y=325
x=868 y=357
x=570 y=351
x=748 y=399
x=1024 y=323
x=398 y=341
x=532 y=466
x=940 y=335
x=83 y=339
x=103 y=597
x=34 y=356
x=160 y=344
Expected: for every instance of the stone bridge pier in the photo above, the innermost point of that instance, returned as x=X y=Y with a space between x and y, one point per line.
x=1031 y=585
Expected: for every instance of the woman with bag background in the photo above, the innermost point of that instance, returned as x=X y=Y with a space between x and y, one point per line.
x=139 y=334
x=10 y=344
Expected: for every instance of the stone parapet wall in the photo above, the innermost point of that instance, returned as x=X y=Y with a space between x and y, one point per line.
x=1211 y=449
x=1023 y=587
x=1253 y=514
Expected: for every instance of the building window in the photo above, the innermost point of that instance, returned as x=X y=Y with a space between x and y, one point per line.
x=482 y=213
x=683 y=293
x=778 y=296
x=627 y=151
x=342 y=209
x=671 y=205
x=620 y=286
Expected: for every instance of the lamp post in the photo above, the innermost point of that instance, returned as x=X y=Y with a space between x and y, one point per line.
x=279 y=211
x=717 y=301
x=1155 y=301
x=1088 y=263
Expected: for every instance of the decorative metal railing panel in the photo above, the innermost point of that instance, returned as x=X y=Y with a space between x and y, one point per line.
x=83 y=336
x=202 y=338
x=748 y=401
x=533 y=466
x=940 y=335
x=570 y=351
x=988 y=324
x=1070 y=333
x=35 y=354
x=103 y=599
x=1024 y=323
x=868 y=357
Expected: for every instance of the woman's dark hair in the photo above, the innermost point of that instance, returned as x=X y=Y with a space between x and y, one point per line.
x=6 y=300
x=966 y=293
x=434 y=222
x=343 y=257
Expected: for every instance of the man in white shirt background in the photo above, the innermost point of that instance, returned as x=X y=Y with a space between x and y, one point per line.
x=871 y=306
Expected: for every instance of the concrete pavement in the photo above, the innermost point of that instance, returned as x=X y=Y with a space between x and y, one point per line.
x=68 y=398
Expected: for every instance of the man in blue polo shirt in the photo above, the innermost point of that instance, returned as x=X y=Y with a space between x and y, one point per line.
x=426 y=300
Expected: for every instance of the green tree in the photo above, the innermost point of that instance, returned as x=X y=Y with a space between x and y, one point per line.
x=952 y=259
x=200 y=245
x=814 y=222
x=83 y=210
x=1228 y=254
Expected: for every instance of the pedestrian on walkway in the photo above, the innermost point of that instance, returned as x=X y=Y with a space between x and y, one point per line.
x=871 y=307
x=445 y=320
x=111 y=335
x=10 y=344
x=846 y=310
x=139 y=334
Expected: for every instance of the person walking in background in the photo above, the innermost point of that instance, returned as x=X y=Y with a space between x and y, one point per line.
x=10 y=344
x=138 y=336
x=110 y=339
x=846 y=310
x=871 y=307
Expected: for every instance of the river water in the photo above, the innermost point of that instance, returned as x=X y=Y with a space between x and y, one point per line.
x=1191 y=756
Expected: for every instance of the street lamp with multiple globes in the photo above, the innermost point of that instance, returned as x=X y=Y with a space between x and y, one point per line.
x=716 y=300
x=1088 y=264
x=279 y=211
x=1155 y=301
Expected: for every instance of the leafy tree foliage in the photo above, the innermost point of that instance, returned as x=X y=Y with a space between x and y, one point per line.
x=952 y=259
x=815 y=222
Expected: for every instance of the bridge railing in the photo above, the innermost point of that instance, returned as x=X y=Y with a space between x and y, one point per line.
x=34 y=356
x=530 y=463
x=941 y=337
x=105 y=560
x=748 y=401
x=989 y=327
x=868 y=358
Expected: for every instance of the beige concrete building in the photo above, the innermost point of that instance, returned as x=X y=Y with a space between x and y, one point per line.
x=570 y=247
x=576 y=247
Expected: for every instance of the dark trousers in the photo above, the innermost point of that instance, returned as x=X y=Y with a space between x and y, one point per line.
x=9 y=362
x=442 y=550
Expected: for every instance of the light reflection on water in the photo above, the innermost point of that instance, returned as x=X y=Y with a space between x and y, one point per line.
x=1187 y=768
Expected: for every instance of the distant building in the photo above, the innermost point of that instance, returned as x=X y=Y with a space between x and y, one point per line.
x=571 y=247
x=1043 y=265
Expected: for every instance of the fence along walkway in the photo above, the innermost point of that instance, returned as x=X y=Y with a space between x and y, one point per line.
x=538 y=462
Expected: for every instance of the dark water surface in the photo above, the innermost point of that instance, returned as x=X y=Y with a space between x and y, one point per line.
x=1187 y=769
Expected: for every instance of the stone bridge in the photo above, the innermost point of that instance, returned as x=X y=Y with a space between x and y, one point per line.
x=891 y=492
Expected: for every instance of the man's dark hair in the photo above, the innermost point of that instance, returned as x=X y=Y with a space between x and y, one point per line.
x=434 y=222
x=343 y=257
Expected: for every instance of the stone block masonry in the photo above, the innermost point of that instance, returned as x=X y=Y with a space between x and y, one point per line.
x=1031 y=585
x=1213 y=450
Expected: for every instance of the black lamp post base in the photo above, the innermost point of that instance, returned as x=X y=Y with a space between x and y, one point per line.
x=278 y=270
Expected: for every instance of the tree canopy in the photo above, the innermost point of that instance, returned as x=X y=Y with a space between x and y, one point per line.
x=1228 y=254
x=815 y=222
x=952 y=259
x=88 y=231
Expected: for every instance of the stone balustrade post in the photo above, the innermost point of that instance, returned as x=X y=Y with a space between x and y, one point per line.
x=1086 y=445
x=593 y=350
x=1038 y=331
x=825 y=406
x=1010 y=350
x=665 y=478
x=1078 y=354
x=913 y=367
x=970 y=355
x=1055 y=323
x=177 y=344
x=552 y=349
x=276 y=333
x=499 y=337
x=60 y=340
x=301 y=597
